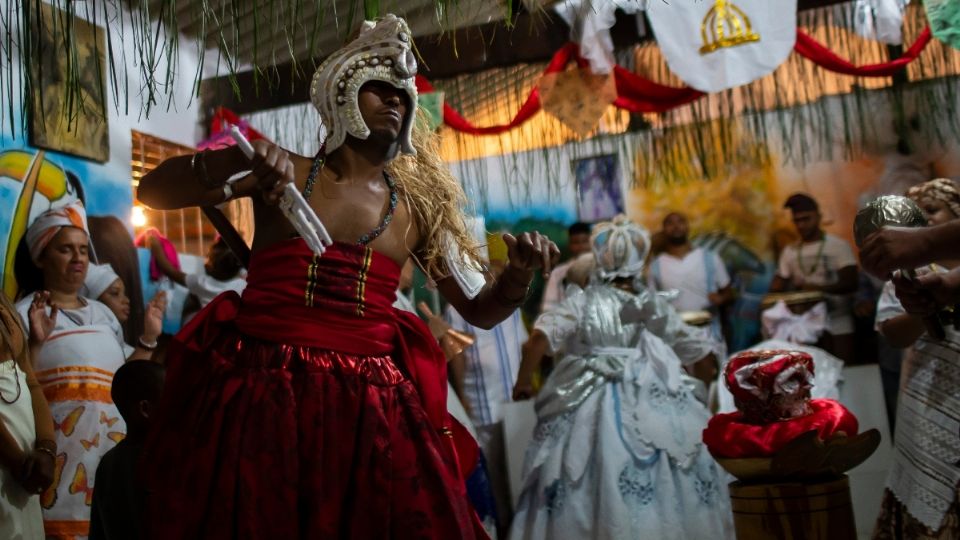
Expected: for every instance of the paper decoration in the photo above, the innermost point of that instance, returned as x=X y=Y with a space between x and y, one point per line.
x=881 y=20
x=720 y=44
x=577 y=98
x=590 y=22
x=944 y=17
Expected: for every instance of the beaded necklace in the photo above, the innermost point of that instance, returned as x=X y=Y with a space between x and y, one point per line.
x=319 y=161
x=816 y=262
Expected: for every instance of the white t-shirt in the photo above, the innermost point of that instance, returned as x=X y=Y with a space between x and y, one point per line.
x=492 y=365
x=819 y=263
x=691 y=276
x=205 y=288
x=553 y=292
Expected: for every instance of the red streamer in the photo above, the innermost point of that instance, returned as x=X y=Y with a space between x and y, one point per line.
x=639 y=95
x=817 y=53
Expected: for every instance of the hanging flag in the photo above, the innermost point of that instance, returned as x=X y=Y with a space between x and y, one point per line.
x=577 y=98
x=714 y=45
x=944 y=17
x=881 y=20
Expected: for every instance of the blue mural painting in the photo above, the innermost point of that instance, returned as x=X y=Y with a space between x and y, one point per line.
x=34 y=180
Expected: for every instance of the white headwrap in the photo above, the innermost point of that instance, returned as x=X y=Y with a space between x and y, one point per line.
x=49 y=223
x=99 y=278
x=620 y=247
x=381 y=52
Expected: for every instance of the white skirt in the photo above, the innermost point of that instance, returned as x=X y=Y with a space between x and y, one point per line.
x=625 y=462
x=20 y=515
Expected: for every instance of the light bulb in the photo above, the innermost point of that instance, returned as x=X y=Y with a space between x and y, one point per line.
x=138 y=218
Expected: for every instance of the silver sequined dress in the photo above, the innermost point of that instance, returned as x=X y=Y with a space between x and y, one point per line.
x=617 y=450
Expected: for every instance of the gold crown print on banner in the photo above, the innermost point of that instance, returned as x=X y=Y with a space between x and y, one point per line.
x=723 y=17
x=714 y=45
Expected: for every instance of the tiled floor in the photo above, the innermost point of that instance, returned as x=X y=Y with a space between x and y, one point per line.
x=862 y=393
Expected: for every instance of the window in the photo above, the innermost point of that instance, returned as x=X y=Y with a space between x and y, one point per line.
x=188 y=229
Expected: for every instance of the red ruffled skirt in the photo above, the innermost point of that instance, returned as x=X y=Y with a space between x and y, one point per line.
x=264 y=440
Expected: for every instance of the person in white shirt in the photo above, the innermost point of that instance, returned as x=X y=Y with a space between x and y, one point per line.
x=578 y=243
x=821 y=262
x=698 y=274
x=222 y=272
x=486 y=372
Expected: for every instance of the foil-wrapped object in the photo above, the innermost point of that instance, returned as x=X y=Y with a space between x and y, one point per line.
x=894 y=211
x=886 y=211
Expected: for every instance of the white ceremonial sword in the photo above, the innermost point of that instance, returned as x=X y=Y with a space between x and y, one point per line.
x=294 y=206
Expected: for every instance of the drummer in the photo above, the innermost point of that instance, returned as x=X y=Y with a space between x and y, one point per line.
x=698 y=274
x=821 y=262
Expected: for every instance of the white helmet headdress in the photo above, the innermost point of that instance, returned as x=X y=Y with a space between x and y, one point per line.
x=620 y=247
x=382 y=52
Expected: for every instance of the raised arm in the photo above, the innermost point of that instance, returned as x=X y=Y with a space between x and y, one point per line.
x=160 y=256
x=198 y=179
x=527 y=254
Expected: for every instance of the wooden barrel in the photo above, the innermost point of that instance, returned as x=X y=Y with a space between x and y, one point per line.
x=793 y=511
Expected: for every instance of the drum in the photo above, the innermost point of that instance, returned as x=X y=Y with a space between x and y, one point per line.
x=696 y=318
x=793 y=511
x=799 y=302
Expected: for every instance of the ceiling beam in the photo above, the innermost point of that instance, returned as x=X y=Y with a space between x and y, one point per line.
x=534 y=37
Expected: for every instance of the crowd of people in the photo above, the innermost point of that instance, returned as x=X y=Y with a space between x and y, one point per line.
x=307 y=400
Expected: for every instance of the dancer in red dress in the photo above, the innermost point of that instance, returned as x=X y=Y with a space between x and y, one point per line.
x=310 y=407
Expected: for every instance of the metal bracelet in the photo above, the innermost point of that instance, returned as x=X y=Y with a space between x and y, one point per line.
x=198 y=164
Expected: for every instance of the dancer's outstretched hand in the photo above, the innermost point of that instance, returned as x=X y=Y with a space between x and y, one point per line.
x=532 y=251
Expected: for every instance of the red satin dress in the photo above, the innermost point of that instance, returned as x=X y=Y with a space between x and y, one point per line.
x=308 y=408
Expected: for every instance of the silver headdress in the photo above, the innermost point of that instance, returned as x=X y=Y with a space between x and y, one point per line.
x=620 y=247
x=382 y=52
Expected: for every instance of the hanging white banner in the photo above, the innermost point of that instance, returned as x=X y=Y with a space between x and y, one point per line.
x=718 y=44
x=881 y=20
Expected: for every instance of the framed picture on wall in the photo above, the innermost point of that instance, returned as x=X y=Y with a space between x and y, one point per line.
x=599 y=194
x=68 y=114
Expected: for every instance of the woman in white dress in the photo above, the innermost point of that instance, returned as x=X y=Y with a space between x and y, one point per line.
x=27 y=448
x=617 y=450
x=77 y=345
x=922 y=499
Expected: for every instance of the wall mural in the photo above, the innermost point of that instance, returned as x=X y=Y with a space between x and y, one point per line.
x=33 y=180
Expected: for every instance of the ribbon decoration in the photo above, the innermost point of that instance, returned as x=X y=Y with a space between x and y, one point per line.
x=817 y=53
x=635 y=94
x=640 y=95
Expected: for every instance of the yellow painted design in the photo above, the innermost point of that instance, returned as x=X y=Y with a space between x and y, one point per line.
x=38 y=176
x=51 y=181
x=723 y=17
x=739 y=196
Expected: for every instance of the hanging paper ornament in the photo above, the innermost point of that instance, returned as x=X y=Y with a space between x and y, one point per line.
x=590 y=22
x=944 y=17
x=577 y=98
x=881 y=20
x=720 y=44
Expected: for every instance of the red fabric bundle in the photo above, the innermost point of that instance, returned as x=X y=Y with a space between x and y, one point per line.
x=772 y=392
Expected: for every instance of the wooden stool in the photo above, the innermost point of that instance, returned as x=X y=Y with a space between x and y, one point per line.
x=793 y=511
